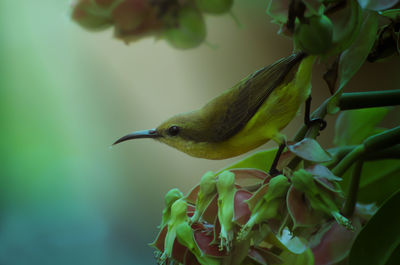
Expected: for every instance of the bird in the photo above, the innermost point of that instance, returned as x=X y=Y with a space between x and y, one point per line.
x=243 y=117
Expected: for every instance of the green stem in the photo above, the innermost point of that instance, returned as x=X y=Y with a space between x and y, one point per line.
x=373 y=143
x=351 y=198
x=349 y=101
x=348 y=160
x=383 y=140
x=340 y=152
x=371 y=99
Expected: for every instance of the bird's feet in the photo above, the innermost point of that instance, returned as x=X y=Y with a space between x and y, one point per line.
x=308 y=121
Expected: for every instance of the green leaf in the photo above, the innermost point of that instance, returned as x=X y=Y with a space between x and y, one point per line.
x=379 y=179
x=378 y=191
x=395 y=257
x=310 y=150
x=260 y=160
x=306 y=258
x=353 y=58
x=332 y=186
x=377 y=5
x=353 y=126
x=391 y=13
x=380 y=237
x=318 y=170
x=292 y=243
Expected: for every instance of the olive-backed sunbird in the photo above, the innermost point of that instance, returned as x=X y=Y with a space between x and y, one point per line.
x=243 y=117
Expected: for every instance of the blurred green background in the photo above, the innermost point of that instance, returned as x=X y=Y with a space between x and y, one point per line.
x=66 y=94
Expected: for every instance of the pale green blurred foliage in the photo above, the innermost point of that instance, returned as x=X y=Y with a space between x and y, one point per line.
x=66 y=95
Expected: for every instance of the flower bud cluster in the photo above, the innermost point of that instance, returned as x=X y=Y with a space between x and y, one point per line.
x=179 y=22
x=245 y=216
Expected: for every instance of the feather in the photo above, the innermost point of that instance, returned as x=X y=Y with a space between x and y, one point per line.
x=241 y=102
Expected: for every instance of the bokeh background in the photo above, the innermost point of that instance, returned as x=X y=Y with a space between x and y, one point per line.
x=66 y=197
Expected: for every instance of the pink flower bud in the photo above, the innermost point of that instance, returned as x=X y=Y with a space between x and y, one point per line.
x=133 y=19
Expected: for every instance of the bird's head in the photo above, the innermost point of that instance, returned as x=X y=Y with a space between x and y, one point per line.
x=184 y=132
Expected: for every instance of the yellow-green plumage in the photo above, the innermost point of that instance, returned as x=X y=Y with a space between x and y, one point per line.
x=244 y=116
x=275 y=113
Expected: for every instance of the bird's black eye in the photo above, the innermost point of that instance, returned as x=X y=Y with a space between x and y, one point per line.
x=173 y=130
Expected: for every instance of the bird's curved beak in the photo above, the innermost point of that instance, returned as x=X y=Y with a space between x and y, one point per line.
x=152 y=133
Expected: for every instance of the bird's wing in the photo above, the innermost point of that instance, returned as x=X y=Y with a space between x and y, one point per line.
x=248 y=96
